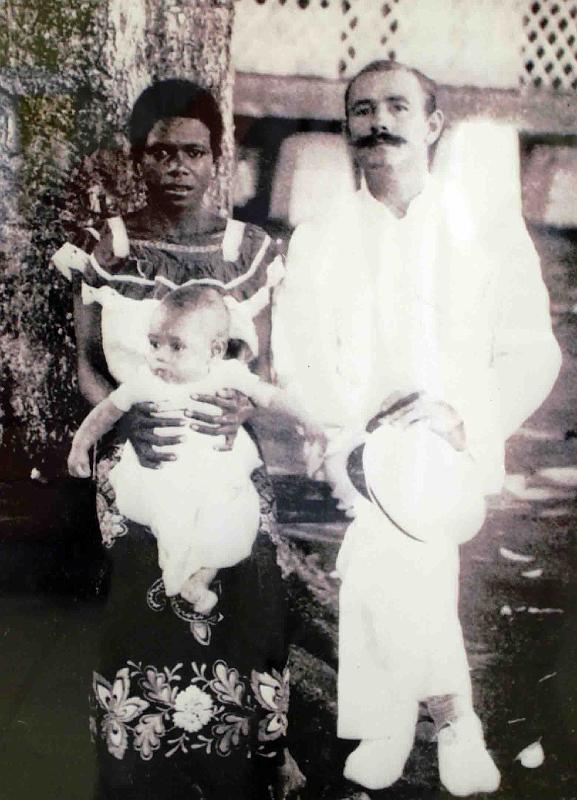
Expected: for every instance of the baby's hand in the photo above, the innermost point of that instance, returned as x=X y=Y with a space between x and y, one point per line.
x=79 y=462
x=317 y=446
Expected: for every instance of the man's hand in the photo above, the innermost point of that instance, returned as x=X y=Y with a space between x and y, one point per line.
x=141 y=423
x=236 y=408
x=406 y=410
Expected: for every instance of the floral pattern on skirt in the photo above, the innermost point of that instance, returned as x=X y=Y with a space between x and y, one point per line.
x=185 y=705
x=172 y=710
x=112 y=524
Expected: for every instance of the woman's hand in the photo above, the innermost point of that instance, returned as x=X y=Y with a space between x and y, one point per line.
x=141 y=425
x=406 y=410
x=236 y=408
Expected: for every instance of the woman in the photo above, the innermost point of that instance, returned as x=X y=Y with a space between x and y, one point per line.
x=184 y=705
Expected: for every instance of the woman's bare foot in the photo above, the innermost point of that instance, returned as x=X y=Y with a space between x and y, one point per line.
x=290 y=779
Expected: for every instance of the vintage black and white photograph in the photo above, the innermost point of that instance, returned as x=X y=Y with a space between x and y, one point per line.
x=288 y=399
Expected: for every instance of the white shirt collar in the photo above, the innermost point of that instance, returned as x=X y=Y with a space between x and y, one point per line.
x=417 y=205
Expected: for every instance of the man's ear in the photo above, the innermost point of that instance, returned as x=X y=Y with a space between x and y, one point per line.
x=346 y=130
x=435 y=122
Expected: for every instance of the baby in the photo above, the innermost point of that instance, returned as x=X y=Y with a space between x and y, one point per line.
x=202 y=507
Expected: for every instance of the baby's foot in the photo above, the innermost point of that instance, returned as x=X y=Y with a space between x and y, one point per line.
x=205 y=602
x=465 y=765
x=191 y=591
x=199 y=596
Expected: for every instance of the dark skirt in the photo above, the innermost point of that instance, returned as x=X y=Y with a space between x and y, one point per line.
x=184 y=705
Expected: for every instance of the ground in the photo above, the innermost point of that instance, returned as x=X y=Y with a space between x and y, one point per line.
x=517 y=605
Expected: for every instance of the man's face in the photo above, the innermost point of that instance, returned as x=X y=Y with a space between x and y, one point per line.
x=387 y=122
x=177 y=163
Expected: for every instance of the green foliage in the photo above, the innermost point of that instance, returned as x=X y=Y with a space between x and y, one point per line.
x=37 y=348
x=60 y=58
x=52 y=117
x=36 y=344
x=39 y=397
x=45 y=33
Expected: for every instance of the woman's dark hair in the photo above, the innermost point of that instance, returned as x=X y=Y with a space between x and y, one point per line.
x=174 y=97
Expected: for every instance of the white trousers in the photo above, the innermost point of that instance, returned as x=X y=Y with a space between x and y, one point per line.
x=400 y=639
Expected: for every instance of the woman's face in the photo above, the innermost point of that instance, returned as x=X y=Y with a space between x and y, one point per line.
x=177 y=164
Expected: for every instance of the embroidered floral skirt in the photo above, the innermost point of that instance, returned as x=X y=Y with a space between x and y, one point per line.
x=184 y=705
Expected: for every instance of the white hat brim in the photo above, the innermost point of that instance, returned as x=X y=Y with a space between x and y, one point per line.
x=429 y=490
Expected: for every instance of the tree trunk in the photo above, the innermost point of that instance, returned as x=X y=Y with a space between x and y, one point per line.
x=146 y=40
x=69 y=74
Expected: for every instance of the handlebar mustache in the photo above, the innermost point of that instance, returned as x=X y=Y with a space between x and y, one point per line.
x=373 y=139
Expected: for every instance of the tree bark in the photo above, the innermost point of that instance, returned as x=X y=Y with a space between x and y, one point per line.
x=70 y=71
x=147 y=40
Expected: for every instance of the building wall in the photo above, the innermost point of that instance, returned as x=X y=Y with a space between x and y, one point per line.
x=488 y=43
x=512 y=61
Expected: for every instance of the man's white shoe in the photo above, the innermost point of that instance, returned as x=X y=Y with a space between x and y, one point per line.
x=378 y=763
x=465 y=765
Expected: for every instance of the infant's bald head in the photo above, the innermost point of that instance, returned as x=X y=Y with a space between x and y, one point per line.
x=188 y=330
x=202 y=306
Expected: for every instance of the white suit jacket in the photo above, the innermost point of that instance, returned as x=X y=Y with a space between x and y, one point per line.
x=445 y=300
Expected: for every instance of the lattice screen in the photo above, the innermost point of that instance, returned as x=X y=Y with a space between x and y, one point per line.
x=365 y=28
x=328 y=38
x=486 y=43
x=550 y=49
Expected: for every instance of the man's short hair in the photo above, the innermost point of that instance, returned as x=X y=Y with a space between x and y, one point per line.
x=428 y=86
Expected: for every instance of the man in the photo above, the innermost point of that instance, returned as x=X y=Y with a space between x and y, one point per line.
x=406 y=304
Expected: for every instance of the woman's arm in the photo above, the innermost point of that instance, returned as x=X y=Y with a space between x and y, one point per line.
x=94 y=379
x=263 y=325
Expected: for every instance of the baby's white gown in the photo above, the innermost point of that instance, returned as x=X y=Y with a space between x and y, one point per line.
x=202 y=507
